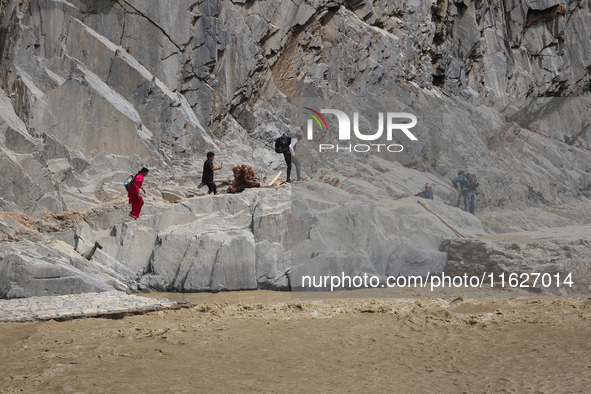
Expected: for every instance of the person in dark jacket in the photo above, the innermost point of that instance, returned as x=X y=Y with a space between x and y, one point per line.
x=469 y=194
x=208 y=170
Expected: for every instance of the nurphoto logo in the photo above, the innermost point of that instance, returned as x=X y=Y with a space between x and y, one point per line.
x=389 y=121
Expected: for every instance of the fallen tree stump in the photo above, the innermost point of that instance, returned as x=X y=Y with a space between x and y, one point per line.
x=244 y=177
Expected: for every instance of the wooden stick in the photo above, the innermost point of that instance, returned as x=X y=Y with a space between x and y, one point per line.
x=443 y=220
x=274 y=179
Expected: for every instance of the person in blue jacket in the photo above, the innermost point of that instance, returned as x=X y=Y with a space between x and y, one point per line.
x=469 y=194
x=427 y=192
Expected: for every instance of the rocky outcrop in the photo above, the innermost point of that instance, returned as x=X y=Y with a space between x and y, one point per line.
x=29 y=269
x=269 y=238
x=555 y=261
x=93 y=91
x=135 y=86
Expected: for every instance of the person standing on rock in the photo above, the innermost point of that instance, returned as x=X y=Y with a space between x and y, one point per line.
x=208 y=170
x=468 y=190
x=290 y=156
x=135 y=197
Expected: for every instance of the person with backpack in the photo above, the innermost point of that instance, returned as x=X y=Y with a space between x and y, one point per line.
x=468 y=184
x=287 y=146
x=135 y=197
x=208 y=170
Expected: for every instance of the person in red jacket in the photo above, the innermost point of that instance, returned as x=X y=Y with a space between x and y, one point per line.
x=135 y=197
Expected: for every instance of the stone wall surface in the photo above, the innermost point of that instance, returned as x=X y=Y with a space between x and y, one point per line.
x=91 y=91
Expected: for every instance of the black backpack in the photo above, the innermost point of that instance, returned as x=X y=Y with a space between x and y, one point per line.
x=282 y=144
x=471 y=181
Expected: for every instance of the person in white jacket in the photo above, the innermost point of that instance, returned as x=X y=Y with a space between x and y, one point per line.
x=290 y=156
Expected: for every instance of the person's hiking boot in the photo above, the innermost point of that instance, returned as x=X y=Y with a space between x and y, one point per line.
x=288 y=181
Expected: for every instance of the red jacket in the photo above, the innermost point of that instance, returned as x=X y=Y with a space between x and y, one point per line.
x=134 y=190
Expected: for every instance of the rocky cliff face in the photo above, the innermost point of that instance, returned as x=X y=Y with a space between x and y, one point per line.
x=93 y=90
x=513 y=48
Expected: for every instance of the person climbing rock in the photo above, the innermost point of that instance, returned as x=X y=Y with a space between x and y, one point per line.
x=135 y=197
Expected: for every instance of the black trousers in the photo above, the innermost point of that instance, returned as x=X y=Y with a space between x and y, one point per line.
x=287 y=156
x=212 y=188
x=288 y=161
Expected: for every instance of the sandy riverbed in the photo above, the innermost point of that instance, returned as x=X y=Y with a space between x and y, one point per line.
x=270 y=341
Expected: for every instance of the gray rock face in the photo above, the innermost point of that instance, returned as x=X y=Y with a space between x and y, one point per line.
x=332 y=235
x=92 y=91
x=242 y=69
x=512 y=48
x=267 y=238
